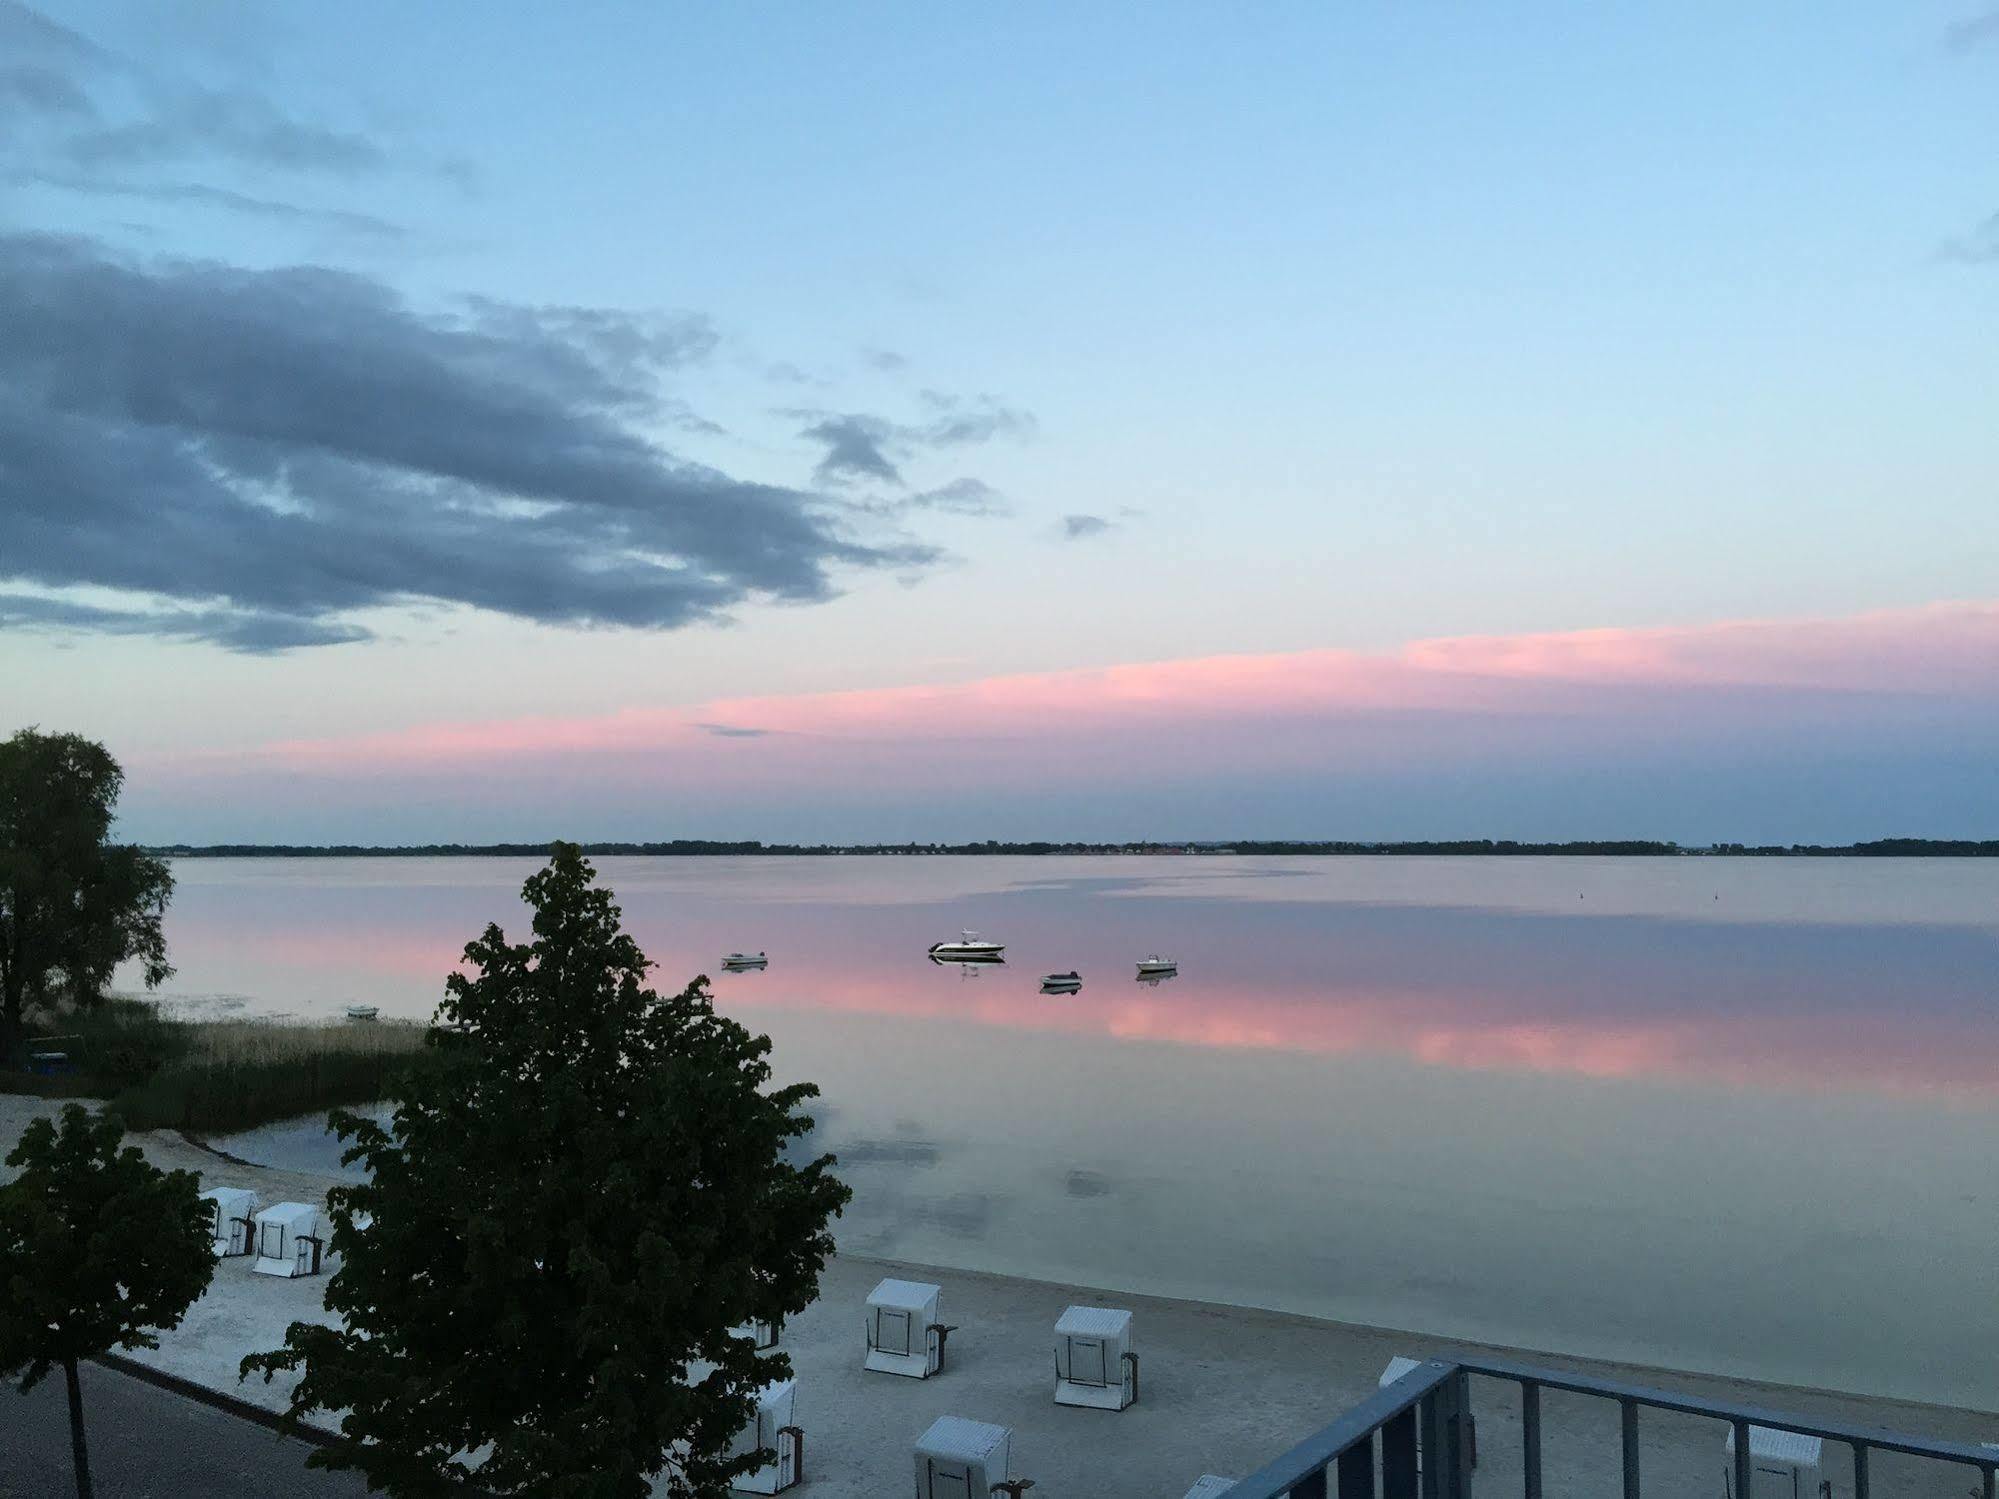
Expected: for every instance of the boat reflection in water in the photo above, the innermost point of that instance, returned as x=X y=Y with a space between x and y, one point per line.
x=969 y=964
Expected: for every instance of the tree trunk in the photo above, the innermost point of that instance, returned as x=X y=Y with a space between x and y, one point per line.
x=10 y=1013
x=77 y=1450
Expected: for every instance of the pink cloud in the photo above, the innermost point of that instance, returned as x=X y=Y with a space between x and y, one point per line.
x=1944 y=650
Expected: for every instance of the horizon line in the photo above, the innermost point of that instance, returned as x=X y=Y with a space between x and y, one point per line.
x=1890 y=847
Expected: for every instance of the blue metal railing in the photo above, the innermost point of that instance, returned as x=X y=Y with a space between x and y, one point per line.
x=1429 y=1409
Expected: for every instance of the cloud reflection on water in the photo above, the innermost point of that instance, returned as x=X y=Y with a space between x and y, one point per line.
x=1880 y=1006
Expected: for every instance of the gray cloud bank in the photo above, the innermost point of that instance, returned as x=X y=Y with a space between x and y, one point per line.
x=263 y=452
x=83 y=119
x=101 y=109
x=859 y=446
x=1979 y=247
x=1972 y=31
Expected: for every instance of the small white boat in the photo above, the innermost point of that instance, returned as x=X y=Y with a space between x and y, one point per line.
x=1061 y=983
x=362 y=1012
x=970 y=947
x=745 y=960
x=1157 y=964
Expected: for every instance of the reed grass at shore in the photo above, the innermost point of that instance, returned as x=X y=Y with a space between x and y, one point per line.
x=223 y=1075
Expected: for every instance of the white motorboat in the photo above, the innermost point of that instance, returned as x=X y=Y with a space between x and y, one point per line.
x=969 y=948
x=1061 y=983
x=1156 y=964
x=745 y=960
x=362 y=1012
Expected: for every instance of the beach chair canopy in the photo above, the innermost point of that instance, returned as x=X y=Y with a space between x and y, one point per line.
x=1783 y=1464
x=228 y=1218
x=777 y=1406
x=290 y=1239
x=1396 y=1368
x=899 y=1316
x=960 y=1459
x=1090 y=1345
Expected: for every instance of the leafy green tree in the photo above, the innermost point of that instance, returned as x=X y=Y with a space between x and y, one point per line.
x=97 y=1246
x=563 y=1223
x=73 y=905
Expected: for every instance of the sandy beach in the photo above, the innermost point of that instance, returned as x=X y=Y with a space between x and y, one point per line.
x=1223 y=1389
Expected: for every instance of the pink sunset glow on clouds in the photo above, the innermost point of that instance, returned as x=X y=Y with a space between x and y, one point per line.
x=1945 y=650
x=1808 y=730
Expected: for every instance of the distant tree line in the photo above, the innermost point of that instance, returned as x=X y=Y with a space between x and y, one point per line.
x=1879 y=848
x=688 y=847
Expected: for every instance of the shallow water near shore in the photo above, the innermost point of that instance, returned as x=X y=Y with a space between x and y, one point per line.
x=1738 y=1116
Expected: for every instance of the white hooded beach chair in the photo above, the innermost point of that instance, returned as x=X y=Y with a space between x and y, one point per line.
x=230 y=1214
x=290 y=1239
x=1094 y=1364
x=1208 y=1486
x=775 y=1428
x=961 y=1459
x=1397 y=1367
x=762 y=1335
x=904 y=1335
x=1782 y=1464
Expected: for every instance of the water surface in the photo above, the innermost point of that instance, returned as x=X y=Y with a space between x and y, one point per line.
x=1736 y=1115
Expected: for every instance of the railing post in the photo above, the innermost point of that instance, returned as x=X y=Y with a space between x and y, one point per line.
x=1530 y=1440
x=1859 y=1470
x=1992 y=1483
x=1630 y=1408
x=1356 y=1469
x=1744 y=1464
x=1398 y=1457
x=1459 y=1452
x=1430 y=1424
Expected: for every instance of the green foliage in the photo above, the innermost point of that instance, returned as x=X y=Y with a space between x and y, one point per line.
x=112 y=1045
x=565 y=1225
x=97 y=1246
x=123 y=1041
x=73 y=905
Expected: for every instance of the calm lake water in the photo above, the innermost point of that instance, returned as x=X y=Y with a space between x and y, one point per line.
x=1728 y=1115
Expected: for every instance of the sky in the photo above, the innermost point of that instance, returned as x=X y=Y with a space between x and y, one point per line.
x=887 y=422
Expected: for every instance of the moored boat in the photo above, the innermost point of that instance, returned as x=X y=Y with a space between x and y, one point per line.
x=745 y=960
x=362 y=1012
x=1157 y=964
x=970 y=946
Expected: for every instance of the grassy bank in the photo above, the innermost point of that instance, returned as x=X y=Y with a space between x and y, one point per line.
x=212 y=1077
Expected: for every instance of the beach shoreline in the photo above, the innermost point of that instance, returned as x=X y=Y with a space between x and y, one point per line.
x=1225 y=1388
